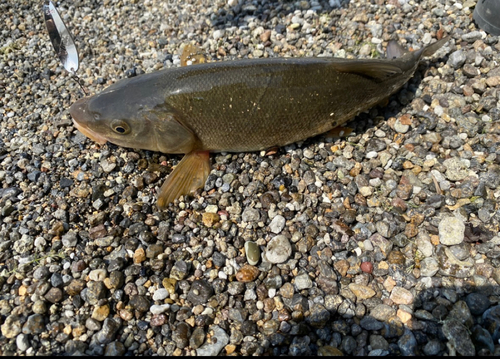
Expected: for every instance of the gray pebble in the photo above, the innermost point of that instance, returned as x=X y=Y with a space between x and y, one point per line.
x=22 y=342
x=457 y=59
x=303 y=282
x=214 y=347
x=451 y=231
x=407 y=343
x=277 y=224
x=459 y=337
x=278 y=250
x=478 y=303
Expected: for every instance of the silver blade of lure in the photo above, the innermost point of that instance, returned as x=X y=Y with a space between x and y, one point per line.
x=61 y=38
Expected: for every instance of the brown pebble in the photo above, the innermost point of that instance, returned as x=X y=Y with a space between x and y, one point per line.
x=342 y=266
x=265 y=35
x=411 y=230
x=367 y=267
x=75 y=287
x=210 y=219
x=101 y=312
x=247 y=273
x=126 y=314
x=54 y=295
x=396 y=257
x=139 y=255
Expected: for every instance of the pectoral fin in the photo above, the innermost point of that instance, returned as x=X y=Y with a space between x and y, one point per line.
x=189 y=175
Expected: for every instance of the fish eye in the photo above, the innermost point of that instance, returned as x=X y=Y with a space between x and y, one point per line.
x=120 y=127
x=96 y=116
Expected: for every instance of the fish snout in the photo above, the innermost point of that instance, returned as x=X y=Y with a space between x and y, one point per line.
x=84 y=121
x=80 y=110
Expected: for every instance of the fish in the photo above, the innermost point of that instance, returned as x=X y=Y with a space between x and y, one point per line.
x=239 y=106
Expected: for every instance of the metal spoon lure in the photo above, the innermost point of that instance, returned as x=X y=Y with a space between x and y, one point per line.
x=62 y=41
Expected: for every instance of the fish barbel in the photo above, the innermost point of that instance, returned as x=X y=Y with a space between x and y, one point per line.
x=238 y=106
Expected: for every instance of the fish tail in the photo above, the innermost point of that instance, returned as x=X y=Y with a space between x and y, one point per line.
x=432 y=48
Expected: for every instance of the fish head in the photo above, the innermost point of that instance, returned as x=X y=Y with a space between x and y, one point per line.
x=128 y=119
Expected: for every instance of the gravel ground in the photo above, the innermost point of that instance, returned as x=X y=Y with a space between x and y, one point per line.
x=384 y=241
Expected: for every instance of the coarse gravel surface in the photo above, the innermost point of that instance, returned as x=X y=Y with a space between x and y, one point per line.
x=384 y=241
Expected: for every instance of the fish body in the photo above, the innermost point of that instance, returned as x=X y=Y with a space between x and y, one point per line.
x=243 y=105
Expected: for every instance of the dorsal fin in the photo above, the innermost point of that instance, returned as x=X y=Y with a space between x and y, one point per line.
x=375 y=70
x=395 y=50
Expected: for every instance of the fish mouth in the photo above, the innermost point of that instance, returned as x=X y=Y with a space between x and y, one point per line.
x=82 y=118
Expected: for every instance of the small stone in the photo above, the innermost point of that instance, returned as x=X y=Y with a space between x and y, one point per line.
x=396 y=257
x=369 y=323
x=247 y=273
x=181 y=334
x=107 y=333
x=180 y=270
x=319 y=316
x=197 y=338
x=70 y=239
x=252 y=252
x=278 y=250
x=277 y=224
x=361 y=291
x=115 y=348
x=39 y=307
x=22 y=342
x=478 y=303
x=382 y=312
x=400 y=295
x=159 y=309
x=200 y=292
x=95 y=292
x=456 y=169
x=367 y=267
x=169 y=285
x=250 y=215
x=303 y=282
x=451 y=231
x=287 y=290
x=154 y=250
x=54 y=295
x=160 y=294
x=139 y=303
x=210 y=219
x=428 y=267
x=327 y=351
x=101 y=312
x=218 y=340
x=407 y=343
x=482 y=339
x=11 y=326
x=139 y=255
x=115 y=280
x=433 y=347
x=400 y=127
x=458 y=335
x=98 y=274
x=457 y=59
x=35 y=324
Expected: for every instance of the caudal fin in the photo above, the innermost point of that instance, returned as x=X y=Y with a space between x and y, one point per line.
x=432 y=48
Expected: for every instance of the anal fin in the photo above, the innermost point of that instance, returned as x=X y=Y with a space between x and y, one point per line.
x=339 y=131
x=189 y=175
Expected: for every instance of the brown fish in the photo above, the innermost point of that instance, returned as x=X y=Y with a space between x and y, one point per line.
x=238 y=106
